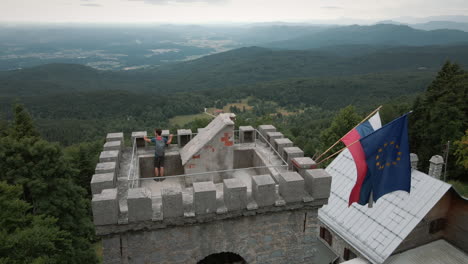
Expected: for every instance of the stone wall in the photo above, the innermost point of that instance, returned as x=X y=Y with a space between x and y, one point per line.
x=280 y=237
x=338 y=244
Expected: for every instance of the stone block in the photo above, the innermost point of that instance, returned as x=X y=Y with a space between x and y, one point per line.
x=115 y=137
x=263 y=129
x=200 y=129
x=280 y=143
x=204 y=197
x=105 y=207
x=183 y=137
x=318 y=183
x=414 y=161
x=172 y=203
x=291 y=152
x=139 y=205
x=234 y=194
x=137 y=138
x=109 y=156
x=263 y=190
x=301 y=164
x=106 y=167
x=436 y=164
x=271 y=136
x=165 y=133
x=291 y=186
x=113 y=145
x=246 y=134
x=103 y=181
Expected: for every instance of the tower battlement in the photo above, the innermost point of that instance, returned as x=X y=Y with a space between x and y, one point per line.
x=218 y=174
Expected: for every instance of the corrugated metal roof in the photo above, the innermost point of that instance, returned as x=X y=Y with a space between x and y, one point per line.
x=376 y=232
x=437 y=252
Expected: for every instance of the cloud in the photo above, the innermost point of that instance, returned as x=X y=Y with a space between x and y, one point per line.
x=91 y=5
x=165 y=2
x=331 y=7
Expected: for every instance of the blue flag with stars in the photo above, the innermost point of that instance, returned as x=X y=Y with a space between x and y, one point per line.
x=388 y=159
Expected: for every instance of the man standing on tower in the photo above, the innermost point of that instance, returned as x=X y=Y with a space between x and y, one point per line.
x=161 y=144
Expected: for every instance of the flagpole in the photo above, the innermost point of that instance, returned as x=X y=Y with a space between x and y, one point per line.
x=338 y=152
x=339 y=140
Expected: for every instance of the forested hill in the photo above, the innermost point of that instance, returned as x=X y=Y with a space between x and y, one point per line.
x=380 y=34
x=243 y=66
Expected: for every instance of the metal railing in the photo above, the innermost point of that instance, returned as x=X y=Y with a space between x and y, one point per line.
x=134 y=177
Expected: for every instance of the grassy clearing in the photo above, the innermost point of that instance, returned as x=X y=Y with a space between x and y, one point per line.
x=182 y=120
x=241 y=105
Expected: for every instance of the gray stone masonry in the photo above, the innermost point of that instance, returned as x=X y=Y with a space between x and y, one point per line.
x=291 y=187
x=137 y=137
x=280 y=143
x=109 y=156
x=200 y=129
x=165 y=133
x=113 y=145
x=103 y=181
x=263 y=129
x=172 y=203
x=183 y=137
x=435 y=166
x=106 y=167
x=204 y=197
x=235 y=194
x=139 y=205
x=414 y=161
x=115 y=137
x=105 y=207
x=246 y=134
x=302 y=164
x=263 y=190
x=292 y=152
x=271 y=136
x=318 y=183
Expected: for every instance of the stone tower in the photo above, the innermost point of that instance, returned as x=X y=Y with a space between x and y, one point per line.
x=227 y=196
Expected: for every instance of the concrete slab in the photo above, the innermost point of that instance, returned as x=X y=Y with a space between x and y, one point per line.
x=235 y=194
x=172 y=203
x=119 y=136
x=318 y=183
x=105 y=207
x=271 y=136
x=109 y=156
x=183 y=137
x=301 y=164
x=137 y=137
x=139 y=205
x=280 y=143
x=246 y=134
x=113 y=145
x=103 y=181
x=292 y=152
x=106 y=167
x=263 y=129
x=291 y=186
x=204 y=197
x=263 y=190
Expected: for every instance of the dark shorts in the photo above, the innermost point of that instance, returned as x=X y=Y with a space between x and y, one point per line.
x=159 y=162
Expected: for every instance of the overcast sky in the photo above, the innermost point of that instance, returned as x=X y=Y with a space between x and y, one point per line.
x=209 y=11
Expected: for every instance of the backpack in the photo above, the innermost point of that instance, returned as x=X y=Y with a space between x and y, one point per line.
x=160 y=147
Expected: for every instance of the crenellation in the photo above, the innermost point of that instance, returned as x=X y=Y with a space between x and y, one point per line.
x=204 y=197
x=172 y=203
x=105 y=207
x=280 y=143
x=102 y=181
x=109 y=156
x=291 y=152
x=119 y=136
x=263 y=190
x=139 y=205
x=138 y=138
x=301 y=164
x=318 y=183
x=264 y=129
x=183 y=137
x=271 y=136
x=291 y=187
x=234 y=194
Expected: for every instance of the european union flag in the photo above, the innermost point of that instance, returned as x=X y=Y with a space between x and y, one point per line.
x=388 y=160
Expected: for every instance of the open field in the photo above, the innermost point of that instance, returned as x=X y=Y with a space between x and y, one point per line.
x=182 y=120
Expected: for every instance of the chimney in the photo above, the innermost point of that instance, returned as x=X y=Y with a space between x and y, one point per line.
x=435 y=166
x=414 y=161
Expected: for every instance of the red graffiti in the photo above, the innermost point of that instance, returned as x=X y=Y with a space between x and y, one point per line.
x=210 y=147
x=196 y=156
x=191 y=166
x=226 y=141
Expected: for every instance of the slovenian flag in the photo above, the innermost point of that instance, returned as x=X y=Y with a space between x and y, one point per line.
x=351 y=140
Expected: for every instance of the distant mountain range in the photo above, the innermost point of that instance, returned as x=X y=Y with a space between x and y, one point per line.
x=380 y=34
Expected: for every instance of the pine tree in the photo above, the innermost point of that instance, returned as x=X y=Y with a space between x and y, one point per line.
x=23 y=125
x=440 y=115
